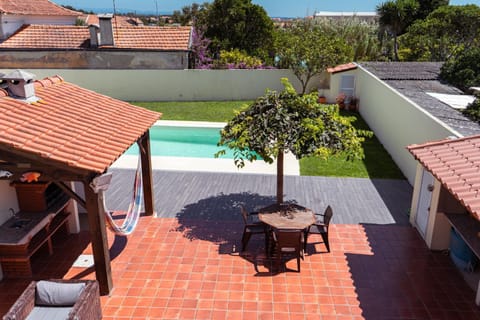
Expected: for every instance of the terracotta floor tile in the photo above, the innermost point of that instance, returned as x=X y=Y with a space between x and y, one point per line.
x=162 y=272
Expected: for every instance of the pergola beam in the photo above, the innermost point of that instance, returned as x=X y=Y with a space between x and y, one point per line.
x=144 y=144
x=98 y=235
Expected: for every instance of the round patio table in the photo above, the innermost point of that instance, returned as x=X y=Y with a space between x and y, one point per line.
x=287 y=216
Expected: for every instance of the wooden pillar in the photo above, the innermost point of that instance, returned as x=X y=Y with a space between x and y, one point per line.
x=98 y=235
x=147 y=174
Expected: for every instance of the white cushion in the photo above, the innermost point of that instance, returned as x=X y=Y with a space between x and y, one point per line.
x=49 y=313
x=49 y=293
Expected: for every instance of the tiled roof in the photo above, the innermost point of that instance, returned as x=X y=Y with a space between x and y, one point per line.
x=413 y=80
x=456 y=164
x=158 y=38
x=123 y=21
x=48 y=36
x=71 y=126
x=404 y=70
x=34 y=7
x=342 y=67
x=78 y=37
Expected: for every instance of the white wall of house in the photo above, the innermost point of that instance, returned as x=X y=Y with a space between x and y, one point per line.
x=335 y=80
x=9 y=23
x=174 y=85
x=396 y=121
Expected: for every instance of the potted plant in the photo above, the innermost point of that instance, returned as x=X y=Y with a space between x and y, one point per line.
x=321 y=97
x=353 y=106
x=341 y=100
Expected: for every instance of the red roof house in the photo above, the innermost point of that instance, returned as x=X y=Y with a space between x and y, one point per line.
x=104 y=46
x=14 y=14
x=455 y=163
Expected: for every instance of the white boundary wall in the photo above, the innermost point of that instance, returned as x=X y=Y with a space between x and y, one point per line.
x=174 y=85
x=397 y=121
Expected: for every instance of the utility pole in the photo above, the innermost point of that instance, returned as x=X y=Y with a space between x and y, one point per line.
x=156 y=12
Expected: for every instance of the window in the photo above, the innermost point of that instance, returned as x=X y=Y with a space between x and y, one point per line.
x=347 y=85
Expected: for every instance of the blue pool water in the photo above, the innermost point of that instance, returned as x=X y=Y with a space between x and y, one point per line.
x=177 y=141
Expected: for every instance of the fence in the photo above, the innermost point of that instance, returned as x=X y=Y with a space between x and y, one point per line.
x=174 y=85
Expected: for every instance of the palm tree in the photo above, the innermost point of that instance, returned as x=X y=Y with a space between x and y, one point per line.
x=395 y=17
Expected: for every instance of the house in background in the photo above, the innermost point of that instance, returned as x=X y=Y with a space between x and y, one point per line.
x=337 y=15
x=14 y=14
x=123 y=21
x=103 y=46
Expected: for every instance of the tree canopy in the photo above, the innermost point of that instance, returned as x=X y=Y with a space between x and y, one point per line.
x=286 y=121
x=427 y=6
x=307 y=50
x=239 y=24
x=463 y=71
x=446 y=32
x=395 y=16
x=360 y=35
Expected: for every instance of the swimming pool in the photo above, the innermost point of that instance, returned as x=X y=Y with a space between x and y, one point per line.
x=183 y=141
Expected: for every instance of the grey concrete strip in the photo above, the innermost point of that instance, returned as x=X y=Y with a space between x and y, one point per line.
x=215 y=196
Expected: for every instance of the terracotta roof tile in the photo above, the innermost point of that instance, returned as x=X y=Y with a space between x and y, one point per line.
x=117 y=20
x=456 y=164
x=342 y=67
x=34 y=7
x=78 y=37
x=71 y=125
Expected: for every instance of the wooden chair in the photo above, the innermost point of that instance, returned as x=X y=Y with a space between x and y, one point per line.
x=288 y=242
x=252 y=225
x=320 y=227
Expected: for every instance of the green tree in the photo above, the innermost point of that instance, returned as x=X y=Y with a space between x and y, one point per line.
x=428 y=6
x=239 y=24
x=463 y=71
x=307 y=50
x=445 y=33
x=395 y=17
x=190 y=14
x=360 y=35
x=286 y=121
x=236 y=59
x=473 y=109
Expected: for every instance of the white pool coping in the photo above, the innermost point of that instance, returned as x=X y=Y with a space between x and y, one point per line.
x=291 y=165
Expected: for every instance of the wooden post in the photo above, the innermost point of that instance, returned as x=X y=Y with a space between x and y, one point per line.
x=280 y=176
x=147 y=174
x=98 y=236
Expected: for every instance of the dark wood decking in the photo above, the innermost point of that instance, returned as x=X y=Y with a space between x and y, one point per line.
x=204 y=195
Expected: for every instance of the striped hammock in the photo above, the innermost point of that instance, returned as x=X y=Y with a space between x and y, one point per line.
x=134 y=209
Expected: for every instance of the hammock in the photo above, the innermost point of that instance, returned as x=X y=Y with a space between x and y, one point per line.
x=100 y=185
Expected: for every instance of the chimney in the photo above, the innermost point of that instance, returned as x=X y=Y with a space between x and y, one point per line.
x=94 y=35
x=106 y=30
x=20 y=85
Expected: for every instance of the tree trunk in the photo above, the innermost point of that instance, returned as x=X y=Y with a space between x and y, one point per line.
x=395 y=47
x=280 y=176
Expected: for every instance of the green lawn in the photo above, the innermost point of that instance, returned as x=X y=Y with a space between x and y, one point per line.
x=216 y=111
x=377 y=162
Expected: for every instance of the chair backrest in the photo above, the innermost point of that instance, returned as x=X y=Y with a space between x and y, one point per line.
x=327 y=216
x=288 y=238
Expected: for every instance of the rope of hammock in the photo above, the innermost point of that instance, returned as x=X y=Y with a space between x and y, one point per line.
x=134 y=209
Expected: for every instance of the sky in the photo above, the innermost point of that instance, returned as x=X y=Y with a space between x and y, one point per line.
x=274 y=8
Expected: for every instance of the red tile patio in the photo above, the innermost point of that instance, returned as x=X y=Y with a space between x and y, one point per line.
x=193 y=271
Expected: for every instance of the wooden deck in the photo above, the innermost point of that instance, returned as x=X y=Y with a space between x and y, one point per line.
x=204 y=195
